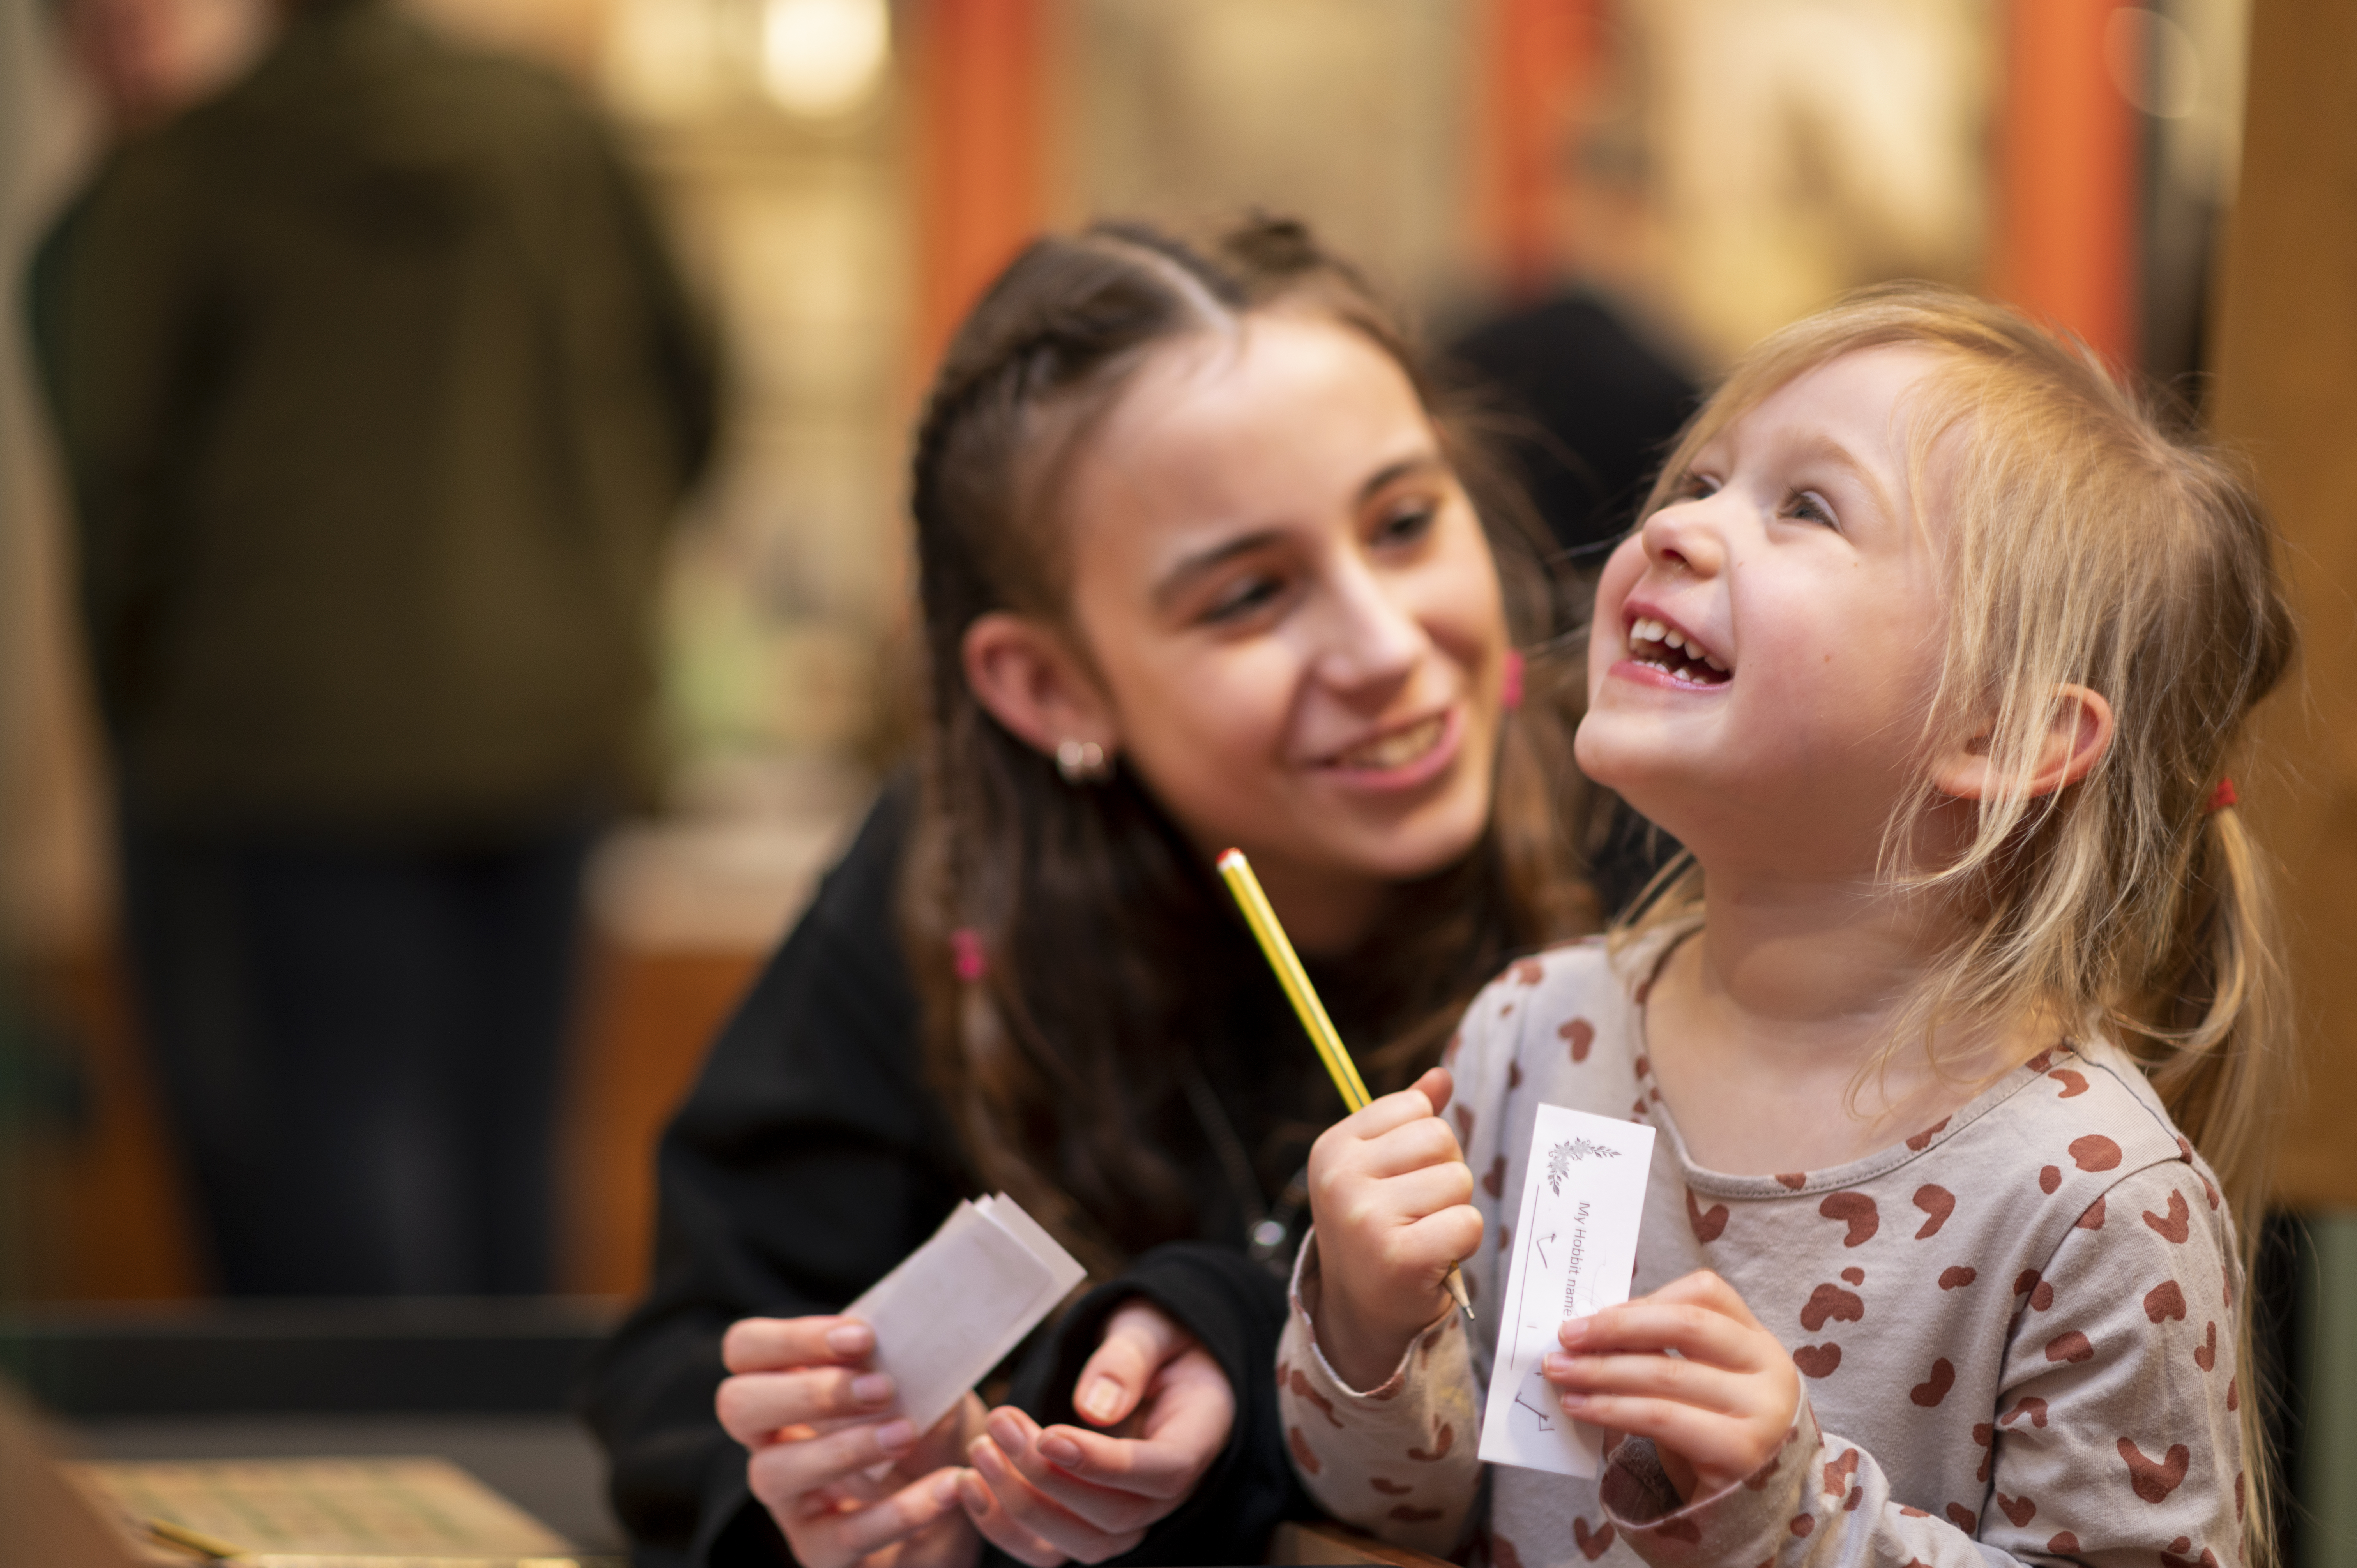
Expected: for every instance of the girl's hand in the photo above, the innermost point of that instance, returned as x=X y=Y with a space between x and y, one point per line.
x=1047 y=1496
x=816 y=1418
x=1716 y=1412
x=1392 y=1197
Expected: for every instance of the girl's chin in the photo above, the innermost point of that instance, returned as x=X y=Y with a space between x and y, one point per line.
x=1425 y=845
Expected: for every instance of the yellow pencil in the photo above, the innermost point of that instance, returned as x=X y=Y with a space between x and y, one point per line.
x=194 y=1542
x=1237 y=873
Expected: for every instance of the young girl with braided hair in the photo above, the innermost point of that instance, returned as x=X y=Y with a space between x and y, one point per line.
x=1960 y=1028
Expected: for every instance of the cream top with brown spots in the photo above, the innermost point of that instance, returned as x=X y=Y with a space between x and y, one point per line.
x=2016 y=1327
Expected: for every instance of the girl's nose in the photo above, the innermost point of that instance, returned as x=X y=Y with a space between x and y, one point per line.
x=1687 y=534
x=1372 y=637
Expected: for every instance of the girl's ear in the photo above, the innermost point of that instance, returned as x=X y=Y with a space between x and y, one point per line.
x=1029 y=680
x=2078 y=733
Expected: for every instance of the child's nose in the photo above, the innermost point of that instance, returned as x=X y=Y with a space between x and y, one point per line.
x=1686 y=535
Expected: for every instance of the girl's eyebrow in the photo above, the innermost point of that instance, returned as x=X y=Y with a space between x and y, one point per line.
x=1190 y=567
x=1819 y=445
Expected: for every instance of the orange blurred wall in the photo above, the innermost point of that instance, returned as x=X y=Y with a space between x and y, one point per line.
x=2067 y=170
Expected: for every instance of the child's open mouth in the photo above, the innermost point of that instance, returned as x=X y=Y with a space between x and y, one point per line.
x=1666 y=648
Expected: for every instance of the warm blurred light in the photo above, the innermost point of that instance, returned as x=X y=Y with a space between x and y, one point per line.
x=822 y=58
x=2153 y=62
x=663 y=54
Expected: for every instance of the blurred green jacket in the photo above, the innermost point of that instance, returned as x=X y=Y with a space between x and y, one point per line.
x=377 y=392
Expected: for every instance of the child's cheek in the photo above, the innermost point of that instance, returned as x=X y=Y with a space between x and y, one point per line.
x=1621 y=571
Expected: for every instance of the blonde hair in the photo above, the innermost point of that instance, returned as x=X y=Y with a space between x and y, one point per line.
x=2085 y=544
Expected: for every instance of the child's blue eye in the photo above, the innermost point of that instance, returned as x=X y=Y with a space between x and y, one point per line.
x=1692 y=485
x=1810 y=506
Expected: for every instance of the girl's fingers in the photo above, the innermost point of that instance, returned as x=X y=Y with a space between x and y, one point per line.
x=1114 y=1485
x=1112 y=1524
x=1697 y=1333
x=755 y=1406
x=1069 y=1462
x=775 y=1344
x=1014 y=1441
x=1193 y=1409
x=782 y=1472
x=1000 y=1528
x=917 y=1505
x=1138 y=1340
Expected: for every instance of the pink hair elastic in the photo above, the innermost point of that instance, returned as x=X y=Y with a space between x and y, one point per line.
x=1510 y=682
x=967 y=955
x=2221 y=798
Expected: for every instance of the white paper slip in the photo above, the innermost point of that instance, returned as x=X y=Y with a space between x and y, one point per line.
x=1575 y=1246
x=956 y=1305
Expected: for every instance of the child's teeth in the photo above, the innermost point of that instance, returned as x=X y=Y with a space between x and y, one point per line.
x=1670 y=637
x=1713 y=664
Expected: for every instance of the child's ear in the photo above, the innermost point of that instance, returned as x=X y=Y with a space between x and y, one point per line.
x=2078 y=733
x=1028 y=679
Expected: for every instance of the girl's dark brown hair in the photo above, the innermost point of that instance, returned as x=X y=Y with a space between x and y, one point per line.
x=1065 y=938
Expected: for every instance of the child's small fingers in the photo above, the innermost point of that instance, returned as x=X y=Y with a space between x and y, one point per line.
x=1445 y=1237
x=1706 y=1289
x=1696 y=1332
x=1418 y=1194
x=1654 y=1377
x=1414 y=1145
x=1380 y=1116
x=1436 y=1086
x=1713 y=1443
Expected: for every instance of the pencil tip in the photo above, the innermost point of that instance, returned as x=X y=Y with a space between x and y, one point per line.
x=1230 y=857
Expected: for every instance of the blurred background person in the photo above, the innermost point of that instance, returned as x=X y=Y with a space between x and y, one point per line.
x=1588 y=408
x=146 y=59
x=376 y=392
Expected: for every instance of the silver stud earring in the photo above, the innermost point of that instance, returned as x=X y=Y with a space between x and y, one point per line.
x=1082 y=762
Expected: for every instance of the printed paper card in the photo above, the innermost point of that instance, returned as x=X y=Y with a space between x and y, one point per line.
x=1574 y=1247
x=956 y=1305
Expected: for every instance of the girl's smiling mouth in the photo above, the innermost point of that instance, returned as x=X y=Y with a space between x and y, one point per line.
x=1654 y=644
x=1403 y=756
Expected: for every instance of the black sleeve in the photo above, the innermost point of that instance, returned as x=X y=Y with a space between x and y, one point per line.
x=807 y=1162
x=1237 y=1309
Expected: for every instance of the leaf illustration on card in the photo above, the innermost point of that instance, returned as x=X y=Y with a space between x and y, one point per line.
x=1560 y=1160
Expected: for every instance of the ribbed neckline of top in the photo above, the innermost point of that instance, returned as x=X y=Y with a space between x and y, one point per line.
x=1646 y=961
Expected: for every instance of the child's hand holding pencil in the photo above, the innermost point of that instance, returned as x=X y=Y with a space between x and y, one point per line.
x=1392 y=1205
x=1391 y=1198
